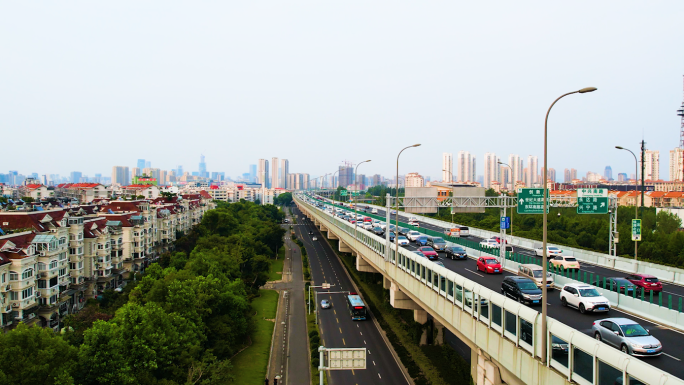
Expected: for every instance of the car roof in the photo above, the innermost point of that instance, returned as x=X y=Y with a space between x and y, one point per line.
x=578 y=285
x=619 y=321
x=488 y=257
x=644 y=275
x=516 y=278
x=532 y=266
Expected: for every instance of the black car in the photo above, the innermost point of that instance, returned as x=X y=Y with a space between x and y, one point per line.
x=310 y=232
x=522 y=289
x=456 y=252
x=378 y=230
x=618 y=284
x=403 y=230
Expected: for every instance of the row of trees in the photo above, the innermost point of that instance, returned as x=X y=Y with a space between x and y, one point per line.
x=181 y=323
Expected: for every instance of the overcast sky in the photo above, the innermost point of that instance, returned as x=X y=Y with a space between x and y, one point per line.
x=86 y=85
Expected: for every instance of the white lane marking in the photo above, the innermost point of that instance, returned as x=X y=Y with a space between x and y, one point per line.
x=475 y=273
x=379 y=376
x=674 y=358
x=368 y=351
x=364 y=342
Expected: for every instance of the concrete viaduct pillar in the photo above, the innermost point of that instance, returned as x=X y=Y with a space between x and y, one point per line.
x=400 y=300
x=362 y=265
x=343 y=247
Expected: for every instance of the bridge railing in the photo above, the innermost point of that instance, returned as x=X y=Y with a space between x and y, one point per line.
x=500 y=326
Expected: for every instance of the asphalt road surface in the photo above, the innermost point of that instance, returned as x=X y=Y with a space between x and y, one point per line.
x=337 y=328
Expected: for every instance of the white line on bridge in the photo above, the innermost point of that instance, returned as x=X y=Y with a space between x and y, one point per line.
x=674 y=358
x=475 y=273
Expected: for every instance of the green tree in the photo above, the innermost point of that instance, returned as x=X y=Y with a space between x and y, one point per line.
x=28 y=199
x=667 y=223
x=283 y=199
x=35 y=355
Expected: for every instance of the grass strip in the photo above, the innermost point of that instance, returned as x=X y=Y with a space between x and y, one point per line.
x=250 y=365
x=276 y=271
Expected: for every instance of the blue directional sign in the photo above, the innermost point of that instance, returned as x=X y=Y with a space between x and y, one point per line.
x=505 y=223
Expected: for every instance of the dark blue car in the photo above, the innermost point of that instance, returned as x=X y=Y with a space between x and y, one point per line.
x=422 y=240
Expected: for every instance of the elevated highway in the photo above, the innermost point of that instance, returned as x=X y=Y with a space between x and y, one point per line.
x=504 y=336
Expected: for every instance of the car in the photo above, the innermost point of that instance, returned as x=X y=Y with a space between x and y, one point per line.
x=419 y=253
x=314 y=239
x=617 y=284
x=468 y=297
x=413 y=235
x=456 y=252
x=383 y=225
x=566 y=262
x=403 y=241
x=286 y=220
x=498 y=239
x=521 y=289
x=490 y=243
x=489 y=265
x=378 y=230
x=583 y=297
x=403 y=230
x=646 y=282
x=393 y=212
x=551 y=251
x=429 y=252
x=422 y=240
x=437 y=243
x=453 y=232
x=560 y=346
x=628 y=336
x=414 y=222
x=325 y=304
x=374 y=211
x=367 y=225
x=391 y=237
x=310 y=232
x=535 y=273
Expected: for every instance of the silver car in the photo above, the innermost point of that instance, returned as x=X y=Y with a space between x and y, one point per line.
x=325 y=304
x=628 y=336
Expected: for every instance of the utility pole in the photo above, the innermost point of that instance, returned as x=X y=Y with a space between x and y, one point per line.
x=643 y=167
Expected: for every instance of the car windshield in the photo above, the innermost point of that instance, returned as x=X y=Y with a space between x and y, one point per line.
x=438 y=240
x=401 y=237
x=491 y=261
x=589 y=293
x=537 y=273
x=527 y=286
x=458 y=249
x=422 y=238
x=651 y=280
x=414 y=233
x=570 y=259
x=634 y=330
x=424 y=249
x=553 y=249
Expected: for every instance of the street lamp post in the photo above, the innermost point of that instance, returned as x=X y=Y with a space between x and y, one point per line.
x=332 y=178
x=636 y=189
x=396 y=207
x=452 y=189
x=545 y=261
x=356 y=188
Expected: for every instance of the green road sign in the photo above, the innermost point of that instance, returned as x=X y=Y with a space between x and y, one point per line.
x=531 y=201
x=355 y=193
x=636 y=229
x=592 y=201
x=343 y=193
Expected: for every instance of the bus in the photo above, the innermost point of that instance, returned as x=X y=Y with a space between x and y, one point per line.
x=357 y=308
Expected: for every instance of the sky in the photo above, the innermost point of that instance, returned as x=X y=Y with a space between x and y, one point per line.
x=89 y=85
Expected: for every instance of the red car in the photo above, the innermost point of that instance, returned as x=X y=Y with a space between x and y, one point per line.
x=646 y=282
x=497 y=239
x=429 y=252
x=489 y=265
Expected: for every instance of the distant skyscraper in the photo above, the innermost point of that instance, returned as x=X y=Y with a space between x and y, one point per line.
x=203 y=167
x=652 y=165
x=76 y=176
x=252 y=173
x=98 y=178
x=148 y=164
x=140 y=164
x=136 y=171
x=491 y=169
x=346 y=175
x=466 y=167
x=275 y=176
x=551 y=175
x=533 y=167
x=447 y=167
x=675 y=165
x=516 y=169
x=120 y=175
x=284 y=170
x=608 y=173
x=622 y=177
x=179 y=171
x=263 y=174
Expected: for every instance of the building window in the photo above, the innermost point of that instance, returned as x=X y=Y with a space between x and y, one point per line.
x=14 y=276
x=53 y=264
x=62 y=272
x=62 y=240
x=28 y=273
x=27 y=293
x=62 y=256
x=41 y=266
x=42 y=284
x=3 y=277
x=14 y=296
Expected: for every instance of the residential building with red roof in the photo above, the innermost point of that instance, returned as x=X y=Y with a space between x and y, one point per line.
x=83 y=192
x=19 y=290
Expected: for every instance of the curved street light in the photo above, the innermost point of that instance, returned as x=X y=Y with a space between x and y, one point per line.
x=545 y=261
x=356 y=188
x=636 y=188
x=396 y=208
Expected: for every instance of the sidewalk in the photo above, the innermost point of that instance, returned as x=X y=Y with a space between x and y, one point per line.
x=290 y=347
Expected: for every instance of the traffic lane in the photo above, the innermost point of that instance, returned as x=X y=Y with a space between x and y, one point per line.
x=673 y=341
x=353 y=333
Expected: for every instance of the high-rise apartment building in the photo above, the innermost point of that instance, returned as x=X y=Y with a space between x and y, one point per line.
x=275 y=176
x=141 y=164
x=551 y=175
x=526 y=177
x=491 y=169
x=136 y=171
x=652 y=165
x=622 y=177
x=346 y=175
x=569 y=174
x=533 y=167
x=120 y=175
x=413 y=179
x=284 y=170
x=76 y=176
x=263 y=173
x=447 y=167
x=466 y=167
x=608 y=173
x=253 y=173
x=203 y=168
x=675 y=169
x=516 y=164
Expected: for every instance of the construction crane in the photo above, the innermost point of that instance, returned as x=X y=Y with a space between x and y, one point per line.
x=680 y=112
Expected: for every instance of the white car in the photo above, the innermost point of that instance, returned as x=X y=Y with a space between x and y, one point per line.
x=374 y=211
x=583 y=297
x=367 y=226
x=491 y=243
x=402 y=240
x=551 y=251
x=413 y=235
x=383 y=225
x=414 y=223
x=314 y=239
